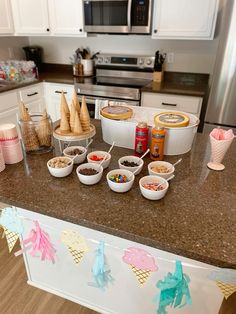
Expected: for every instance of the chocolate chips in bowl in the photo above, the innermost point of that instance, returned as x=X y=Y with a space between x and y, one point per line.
x=89 y=173
x=79 y=151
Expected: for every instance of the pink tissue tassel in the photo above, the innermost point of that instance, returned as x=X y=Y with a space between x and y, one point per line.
x=39 y=241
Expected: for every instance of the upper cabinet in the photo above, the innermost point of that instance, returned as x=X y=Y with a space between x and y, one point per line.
x=6 y=23
x=66 y=17
x=48 y=17
x=30 y=17
x=184 y=19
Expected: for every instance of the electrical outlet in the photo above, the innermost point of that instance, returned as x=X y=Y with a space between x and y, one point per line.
x=170 y=57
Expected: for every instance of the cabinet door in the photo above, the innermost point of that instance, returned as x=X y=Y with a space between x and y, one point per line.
x=9 y=116
x=184 y=19
x=6 y=23
x=30 y=17
x=52 y=94
x=8 y=101
x=66 y=17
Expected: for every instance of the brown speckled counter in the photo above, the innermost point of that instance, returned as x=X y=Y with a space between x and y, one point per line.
x=196 y=219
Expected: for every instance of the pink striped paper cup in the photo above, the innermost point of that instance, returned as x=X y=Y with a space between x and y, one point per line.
x=8 y=131
x=2 y=162
x=11 y=142
x=12 y=154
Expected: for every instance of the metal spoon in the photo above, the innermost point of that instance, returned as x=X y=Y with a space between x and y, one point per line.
x=177 y=162
x=166 y=180
x=147 y=151
x=86 y=147
x=104 y=158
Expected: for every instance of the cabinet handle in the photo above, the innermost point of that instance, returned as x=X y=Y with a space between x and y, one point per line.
x=33 y=94
x=155 y=31
x=48 y=29
x=80 y=30
x=59 y=92
x=167 y=104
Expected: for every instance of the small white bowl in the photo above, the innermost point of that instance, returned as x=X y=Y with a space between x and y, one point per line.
x=89 y=180
x=135 y=159
x=60 y=172
x=120 y=187
x=101 y=154
x=158 y=163
x=78 y=159
x=153 y=195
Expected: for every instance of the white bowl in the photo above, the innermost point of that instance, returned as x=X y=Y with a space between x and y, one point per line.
x=100 y=153
x=90 y=180
x=135 y=159
x=153 y=195
x=60 y=172
x=157 y=163
x=78 y=159
x=120 y=187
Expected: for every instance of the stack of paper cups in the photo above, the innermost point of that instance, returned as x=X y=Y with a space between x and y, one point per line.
x=10 y=143
x=2 y=162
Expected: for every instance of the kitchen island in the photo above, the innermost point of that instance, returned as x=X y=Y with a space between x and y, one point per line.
x=196 y=221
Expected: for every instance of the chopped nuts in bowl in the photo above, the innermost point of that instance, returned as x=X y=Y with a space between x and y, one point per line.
x=60 y=166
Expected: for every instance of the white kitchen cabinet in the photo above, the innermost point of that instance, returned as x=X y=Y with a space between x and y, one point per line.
x=52 y=93
x=33 y=97
x=30 y=17
x=66 y=17
x=8 y=107
x=167 y=102
x=6 y=21
x=184 y=19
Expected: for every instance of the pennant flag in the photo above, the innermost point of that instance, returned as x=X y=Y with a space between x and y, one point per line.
x=100 y=270
x=141 y=262
x=174 y=290
x=226 y=289
x=39 y=241
x=11 y=237
x=75 y=243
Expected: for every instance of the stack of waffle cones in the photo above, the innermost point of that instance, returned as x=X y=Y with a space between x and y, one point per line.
x=44 y=131
x=76 y=121
x=29 y=134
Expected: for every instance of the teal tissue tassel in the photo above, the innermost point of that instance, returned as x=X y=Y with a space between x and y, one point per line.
x=100 y=270
x=174 y=290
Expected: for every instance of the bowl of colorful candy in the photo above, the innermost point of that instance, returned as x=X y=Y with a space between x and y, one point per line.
x=78 y=151
x=97 y=157
x=162 y=169
x=131 y=163
x=120 y=180
x=89 y=173
x=60 y=166
x=153 y=187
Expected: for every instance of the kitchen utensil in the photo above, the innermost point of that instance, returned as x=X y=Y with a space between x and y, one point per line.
x=136 y=171
x=162 y=169
x=150 y=194
x=99 y=155
x=86 y=147
x=166 y=180
x=177 y=162
x=147 y=151
x=134 y=159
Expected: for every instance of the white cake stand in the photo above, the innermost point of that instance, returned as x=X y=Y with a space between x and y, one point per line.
x=70 y=137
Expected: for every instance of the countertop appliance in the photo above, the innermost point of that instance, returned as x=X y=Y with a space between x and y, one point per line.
x=117 y=16
x=221 y=110
x=118 y=79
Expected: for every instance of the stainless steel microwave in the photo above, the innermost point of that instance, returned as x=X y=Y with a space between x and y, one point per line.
x=117 y=16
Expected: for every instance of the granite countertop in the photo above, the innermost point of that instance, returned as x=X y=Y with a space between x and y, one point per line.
x=196 y=218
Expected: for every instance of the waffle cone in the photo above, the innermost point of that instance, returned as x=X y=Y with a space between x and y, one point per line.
x=84 y=116
x=24 y=114
x=64 y=106
x=72 y=116
x=141 y=275
x=64 y=124
x=77 y=255
x=30 y=138
x=75 y=100
x=11 y=237
x=226 y=289
x=77 y=126
x=44 y=131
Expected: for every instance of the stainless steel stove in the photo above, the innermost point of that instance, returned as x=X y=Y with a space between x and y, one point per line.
x=118 y=79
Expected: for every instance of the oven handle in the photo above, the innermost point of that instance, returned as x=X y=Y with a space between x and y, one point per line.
x=89 y=100
x=129 y=15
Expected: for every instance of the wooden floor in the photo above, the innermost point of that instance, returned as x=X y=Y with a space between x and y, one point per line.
x=17 y=297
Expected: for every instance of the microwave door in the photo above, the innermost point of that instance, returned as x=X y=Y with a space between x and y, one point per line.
x=107 y=16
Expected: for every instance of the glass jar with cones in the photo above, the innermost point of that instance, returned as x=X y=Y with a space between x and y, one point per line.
x=36 y=131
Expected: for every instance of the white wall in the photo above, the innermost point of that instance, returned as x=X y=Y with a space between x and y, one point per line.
x=11 y=47
x=189 y=56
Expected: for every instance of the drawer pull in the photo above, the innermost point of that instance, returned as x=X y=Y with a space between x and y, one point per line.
x=33 y=94
x=59 y=92
x=167 y=104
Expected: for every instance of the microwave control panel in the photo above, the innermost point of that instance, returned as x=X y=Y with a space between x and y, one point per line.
x=140 y=12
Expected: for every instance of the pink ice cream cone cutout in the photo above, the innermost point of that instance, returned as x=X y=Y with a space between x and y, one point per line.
x=220 y=142
x=141 y=262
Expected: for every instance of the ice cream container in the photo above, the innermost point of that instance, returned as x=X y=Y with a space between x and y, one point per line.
x=177 y=140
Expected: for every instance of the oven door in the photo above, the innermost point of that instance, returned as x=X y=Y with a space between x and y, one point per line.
x=107 y=16
x=95 y=104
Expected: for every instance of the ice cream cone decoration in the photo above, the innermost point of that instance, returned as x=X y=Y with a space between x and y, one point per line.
x=75 y=243
x=141 y=263
x=11 y=238
x=44 y=131
x=226 y=289
x=77 y=125
x=75 y=100
x=64 y=124
x=72 y=116
x=24 y=114
x=84 y=116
